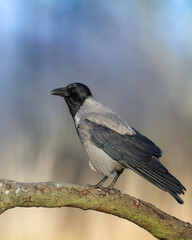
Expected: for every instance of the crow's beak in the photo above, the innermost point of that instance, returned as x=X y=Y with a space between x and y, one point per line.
x=60 y=92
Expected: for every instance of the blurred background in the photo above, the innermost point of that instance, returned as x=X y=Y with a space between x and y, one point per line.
x=136 y=57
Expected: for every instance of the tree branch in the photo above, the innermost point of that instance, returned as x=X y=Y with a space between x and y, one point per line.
x=49 y=194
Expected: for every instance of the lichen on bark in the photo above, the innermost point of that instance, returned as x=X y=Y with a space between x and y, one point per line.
x=51 y=195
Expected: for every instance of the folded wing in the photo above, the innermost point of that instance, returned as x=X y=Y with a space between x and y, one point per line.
x=137 y=153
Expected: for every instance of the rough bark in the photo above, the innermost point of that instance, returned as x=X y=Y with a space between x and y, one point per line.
x=160 y=224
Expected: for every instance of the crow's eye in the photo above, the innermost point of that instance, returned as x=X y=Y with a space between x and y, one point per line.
x=73 y=92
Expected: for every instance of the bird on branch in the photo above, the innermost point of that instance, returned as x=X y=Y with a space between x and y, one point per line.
x=112 y=145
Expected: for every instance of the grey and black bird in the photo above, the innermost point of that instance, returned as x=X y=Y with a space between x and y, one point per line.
x=112 y=145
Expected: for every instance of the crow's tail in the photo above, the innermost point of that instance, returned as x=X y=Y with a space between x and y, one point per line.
x=164 y=180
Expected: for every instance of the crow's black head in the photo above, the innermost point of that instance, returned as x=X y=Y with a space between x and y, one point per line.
x=74 y=94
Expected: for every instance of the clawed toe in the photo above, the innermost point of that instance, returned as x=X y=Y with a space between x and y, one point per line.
x=111 y=190
x=106 y=189
x=115 y=190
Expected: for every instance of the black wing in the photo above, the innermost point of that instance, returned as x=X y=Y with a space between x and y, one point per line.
x=137 y=153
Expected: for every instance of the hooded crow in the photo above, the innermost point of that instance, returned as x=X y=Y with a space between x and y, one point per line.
x=112 y=145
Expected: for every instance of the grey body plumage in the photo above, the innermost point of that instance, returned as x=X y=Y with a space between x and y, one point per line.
x=112 y=145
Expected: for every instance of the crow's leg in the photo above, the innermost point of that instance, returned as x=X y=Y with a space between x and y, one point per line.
x=111 y=185
x=99 y=184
